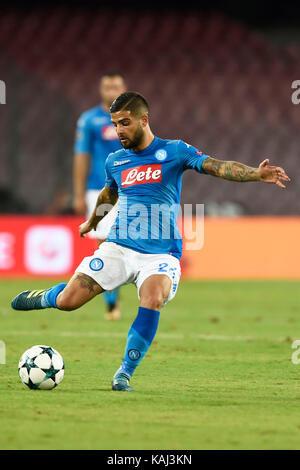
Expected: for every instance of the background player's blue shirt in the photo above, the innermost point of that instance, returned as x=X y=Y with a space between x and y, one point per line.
x=146 y=180
x=97 y=136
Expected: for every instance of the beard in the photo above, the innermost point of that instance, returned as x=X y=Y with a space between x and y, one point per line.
x=135 y=141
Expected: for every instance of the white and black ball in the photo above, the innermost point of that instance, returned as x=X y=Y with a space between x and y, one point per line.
x=41 y=367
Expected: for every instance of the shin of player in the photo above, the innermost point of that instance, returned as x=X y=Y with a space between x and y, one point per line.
x=153 y=293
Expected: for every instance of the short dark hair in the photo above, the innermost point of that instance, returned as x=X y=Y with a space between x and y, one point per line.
x=112 y=73
x=130 y=101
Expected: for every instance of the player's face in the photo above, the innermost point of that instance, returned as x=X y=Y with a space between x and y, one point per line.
x=130 y=129
x=110 y=88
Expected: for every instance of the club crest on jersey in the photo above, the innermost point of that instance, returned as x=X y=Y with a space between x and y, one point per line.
x=141 y=175
x=96 y=264
x=160 y=155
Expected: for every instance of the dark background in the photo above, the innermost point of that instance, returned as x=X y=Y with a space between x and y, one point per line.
x=254 y=13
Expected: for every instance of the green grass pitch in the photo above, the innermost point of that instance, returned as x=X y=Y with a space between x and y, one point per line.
x=219 y=374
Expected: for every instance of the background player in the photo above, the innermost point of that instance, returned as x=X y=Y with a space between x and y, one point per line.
x=147 y=171
x=96 y=138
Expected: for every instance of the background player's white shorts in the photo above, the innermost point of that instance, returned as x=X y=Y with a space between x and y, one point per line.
x=113 y=265
x=105 y=224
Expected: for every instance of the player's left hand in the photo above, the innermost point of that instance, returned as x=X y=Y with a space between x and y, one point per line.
x=85 y=228
x=272 y=174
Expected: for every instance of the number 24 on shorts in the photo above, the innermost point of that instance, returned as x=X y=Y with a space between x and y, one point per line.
x=162 y=267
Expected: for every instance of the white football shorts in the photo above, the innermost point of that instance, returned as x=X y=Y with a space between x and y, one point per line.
x=106 y=223
x=113 y=265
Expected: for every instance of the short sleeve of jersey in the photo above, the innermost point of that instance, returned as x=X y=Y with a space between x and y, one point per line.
x=191 y=157
x=83 y=141
x=109 y=180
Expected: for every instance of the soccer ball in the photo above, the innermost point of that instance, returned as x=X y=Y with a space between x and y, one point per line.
x=41 y=367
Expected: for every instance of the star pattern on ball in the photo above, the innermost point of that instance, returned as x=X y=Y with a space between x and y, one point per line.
x=48 y=350
x=50 y=372
x=32 y=385
x=29 y=363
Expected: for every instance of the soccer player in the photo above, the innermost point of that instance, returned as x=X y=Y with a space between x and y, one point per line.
x=96 y=138
x=145 y=175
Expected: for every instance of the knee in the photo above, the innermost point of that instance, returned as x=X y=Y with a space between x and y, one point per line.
x=153 y=302
x=64 y=302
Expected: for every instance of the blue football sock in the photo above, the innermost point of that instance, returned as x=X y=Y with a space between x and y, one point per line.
x=139 y=339
x=111 y=298
x=50 y=296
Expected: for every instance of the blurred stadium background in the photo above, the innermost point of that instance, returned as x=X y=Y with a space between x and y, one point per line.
x=218 y=78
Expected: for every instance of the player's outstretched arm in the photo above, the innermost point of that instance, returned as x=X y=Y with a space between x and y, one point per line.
x=236 y=171
x=106 y=200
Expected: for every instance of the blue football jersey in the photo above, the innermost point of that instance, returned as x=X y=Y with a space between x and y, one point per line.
x=149 y=186
x=96 y=135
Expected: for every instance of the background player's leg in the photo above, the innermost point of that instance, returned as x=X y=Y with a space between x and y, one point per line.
x=153 y=292
x=111 y=299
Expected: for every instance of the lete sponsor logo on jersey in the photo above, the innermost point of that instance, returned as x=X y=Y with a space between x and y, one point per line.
x=141 y=175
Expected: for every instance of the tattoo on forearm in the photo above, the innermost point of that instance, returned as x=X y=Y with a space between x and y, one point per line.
x=106 y=200
x=87 y=282
x=107 y=196
x=229 y=170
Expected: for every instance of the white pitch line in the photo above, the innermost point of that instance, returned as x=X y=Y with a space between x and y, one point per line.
x=114 y=334
x=83 y=334
x=225 y=338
